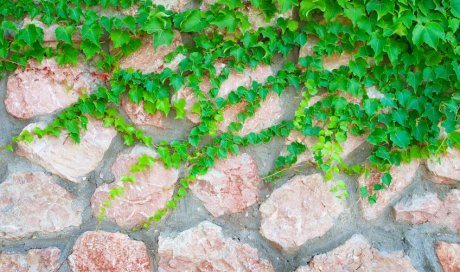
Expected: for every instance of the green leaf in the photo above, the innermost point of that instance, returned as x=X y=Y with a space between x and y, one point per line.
x=382 y=7
x=400 y=137
x=386 y=179
x=156 y=22
x=287 y=5
x=363 y=191
x=179 y=105
x=30 y=35
x=163 y=37
x=455 y=8
x=193 y=21
x=164 y=105
x=225 y=19
x=65 y=34
x=429 y=33
x=306 y=6
x=67 y=54
x=119 y=38
x=92 y=33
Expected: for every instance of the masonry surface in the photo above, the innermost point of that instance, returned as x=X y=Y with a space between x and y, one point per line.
x=51 y=191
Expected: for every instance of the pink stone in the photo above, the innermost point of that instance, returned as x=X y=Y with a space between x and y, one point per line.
x=45 y=88
x=148 y=59
x=348 y=146
x=402 y=176
x=31 y=202
x=152 y=189
x=204 y=248
x=357 y=255
x=290 y=216
x=230 y=186
x=268 y=114
x=106 y=251
x=173 y=5
x=65 y=158
x=447 y=170
x=40 y=260
x=140 y=117
x=331 y=62
x=449 y=256
x=429 y=208
x=49 y=32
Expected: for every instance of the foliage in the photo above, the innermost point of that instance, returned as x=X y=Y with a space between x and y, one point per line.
x=408 y=50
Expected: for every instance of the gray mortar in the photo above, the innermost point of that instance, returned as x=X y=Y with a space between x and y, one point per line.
x=384 y=233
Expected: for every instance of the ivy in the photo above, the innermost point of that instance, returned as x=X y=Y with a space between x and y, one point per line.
x=406 y=50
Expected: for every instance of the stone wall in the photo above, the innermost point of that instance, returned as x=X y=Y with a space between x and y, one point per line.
x=51 y=191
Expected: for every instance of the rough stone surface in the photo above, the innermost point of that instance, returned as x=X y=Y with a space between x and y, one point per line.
x=148 y=59
x=49 y=32
x=402 y=176
x=31 y=202
x=268 y=114
x=35 y=260
x=230 y=186
x=447 y=170
x=449 y=256
x=290 y=216
x=357 y=255
x=45 y=88
x=429 y=208
x=204 y=248
x=105 y=251
x=65 y=158
x=348 y=146
x=173 y=5
x=152 y=189
x=140 y=117
x=332 y=62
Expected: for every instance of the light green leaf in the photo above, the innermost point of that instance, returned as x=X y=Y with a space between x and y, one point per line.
x=430 y=34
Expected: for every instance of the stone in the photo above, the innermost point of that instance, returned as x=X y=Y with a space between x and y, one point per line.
x=447 y=170
x=106 y=251
x=449 y=256
x=44 y=88
x=268 y=114
x=173 y=5
x=147 y=59
x=331 y=62
x=140 y=117
x=40 y=260
x=30 y=203
x=65 y=158
x=300 y=210
x=230 y=186
x=429 y=208
x=358 y=255
x=348 y=146
x=402 y=177
x=49 y=32
x=204 y=248
x=149 y=193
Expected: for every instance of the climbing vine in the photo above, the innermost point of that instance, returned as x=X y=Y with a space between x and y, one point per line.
x=407 y=50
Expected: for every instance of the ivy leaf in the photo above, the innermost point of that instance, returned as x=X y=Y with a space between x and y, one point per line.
x=225 y=20
x=67 y=54
x=287 y=5
x=193 y=21
x=119 y=38
x=306 y=6
x=163 y=37
x=429 y=33
x=400 y=137
x=386 y=179
x=455 y=8
x=382 y=7
x=179 y=105
x=164 y=105
x=65 y=34
x=92 y=33
x=30 y=35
